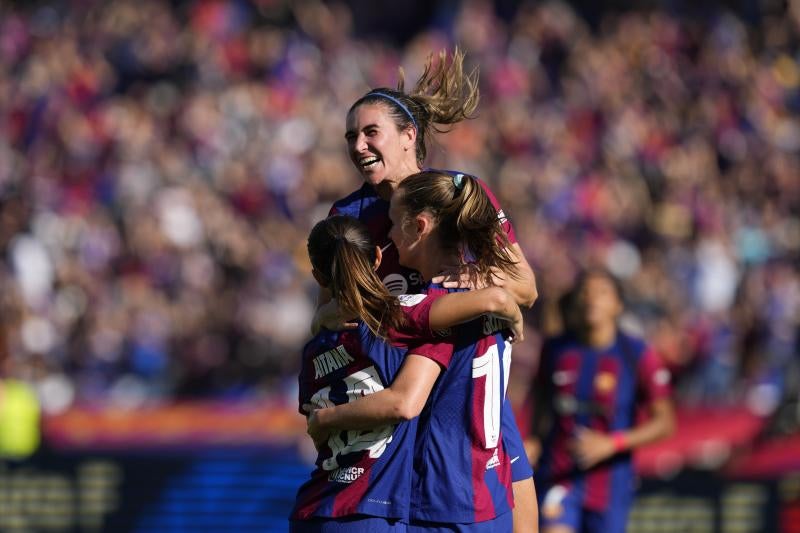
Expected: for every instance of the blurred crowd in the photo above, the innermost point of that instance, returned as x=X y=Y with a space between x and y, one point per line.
x=161 y=164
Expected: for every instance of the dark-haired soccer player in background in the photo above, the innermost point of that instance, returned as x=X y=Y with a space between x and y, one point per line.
x=590 y=384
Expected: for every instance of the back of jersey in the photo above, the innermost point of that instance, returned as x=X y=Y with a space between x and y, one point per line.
x=358 y=472
x=461 y=470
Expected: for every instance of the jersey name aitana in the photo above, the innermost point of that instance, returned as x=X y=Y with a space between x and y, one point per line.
x=600 y=390
x=365 y=205
x=362 y=472
x=462 y=473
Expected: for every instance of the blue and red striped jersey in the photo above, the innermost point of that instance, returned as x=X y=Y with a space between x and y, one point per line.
x=362 y=472
x=462 y=473
x=365 y=205
x=601 y=390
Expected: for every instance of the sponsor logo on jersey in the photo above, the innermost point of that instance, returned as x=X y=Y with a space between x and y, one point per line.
x=415 y=278
x=396 y=284
x=331 y=360
x=494 y=461
x=346 y=474
x=605 y=382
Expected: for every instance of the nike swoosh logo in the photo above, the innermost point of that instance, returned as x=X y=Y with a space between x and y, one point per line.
x=514 y=459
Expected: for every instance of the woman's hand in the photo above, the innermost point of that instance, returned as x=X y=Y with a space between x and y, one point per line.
x=511 y=319
x=329 y=316
x=590 y=447
x=517 y=328
x=314 y=426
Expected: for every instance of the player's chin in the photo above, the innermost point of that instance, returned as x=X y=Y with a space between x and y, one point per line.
x=373 y=178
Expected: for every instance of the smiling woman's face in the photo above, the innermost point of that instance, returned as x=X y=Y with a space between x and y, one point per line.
x=377 y=149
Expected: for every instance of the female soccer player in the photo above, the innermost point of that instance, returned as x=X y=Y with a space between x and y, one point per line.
x=386 y=138
x=362 y=480
x=462 y=472
x=386 y=133
x=590 y=384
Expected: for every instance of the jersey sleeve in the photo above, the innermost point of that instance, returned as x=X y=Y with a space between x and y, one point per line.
x=515 y=449
x=653 y=377
x=416 y=310
x=440 y=352
x=504 y=221
x=416 y=333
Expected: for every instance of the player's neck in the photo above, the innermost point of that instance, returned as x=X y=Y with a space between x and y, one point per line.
x=602 y=335
x=386 y=188
x=434 y=261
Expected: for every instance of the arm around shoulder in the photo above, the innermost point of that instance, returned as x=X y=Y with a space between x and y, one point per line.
x=401 y=401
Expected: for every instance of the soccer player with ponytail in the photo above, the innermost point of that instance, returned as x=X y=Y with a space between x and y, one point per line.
x=363 y=475
x=462 y=467
x=387 y=132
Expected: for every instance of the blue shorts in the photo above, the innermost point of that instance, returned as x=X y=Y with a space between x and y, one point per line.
x=515 y=449
x=559 y=506
x=502 y=524
x=348 y=524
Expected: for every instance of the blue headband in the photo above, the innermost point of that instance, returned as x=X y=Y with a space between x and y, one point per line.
x=399 y=104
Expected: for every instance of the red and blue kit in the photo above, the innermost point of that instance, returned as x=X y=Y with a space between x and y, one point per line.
x=365 y=205
x=363 y=472
x=462 y=471
x=599 y=389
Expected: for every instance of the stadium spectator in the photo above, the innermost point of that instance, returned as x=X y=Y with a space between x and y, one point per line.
x=161 y=164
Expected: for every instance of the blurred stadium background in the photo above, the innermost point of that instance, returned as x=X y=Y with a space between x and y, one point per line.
x=162 y=162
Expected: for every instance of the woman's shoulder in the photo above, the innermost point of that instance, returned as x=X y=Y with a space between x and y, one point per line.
x=354 y=202
x=635 y=345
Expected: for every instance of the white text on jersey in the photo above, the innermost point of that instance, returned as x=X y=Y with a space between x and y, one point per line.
x=331 y=360
x=346 y=474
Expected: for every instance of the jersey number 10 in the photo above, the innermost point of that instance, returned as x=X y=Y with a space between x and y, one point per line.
x=495 y=384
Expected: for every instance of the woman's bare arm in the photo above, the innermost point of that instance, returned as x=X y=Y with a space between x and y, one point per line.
x=403 y=400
